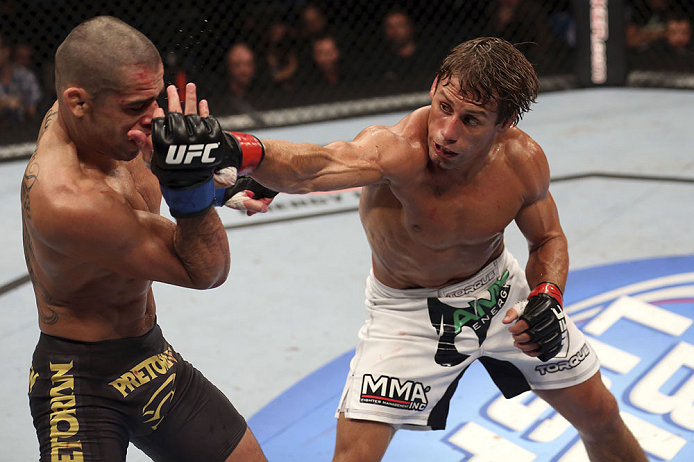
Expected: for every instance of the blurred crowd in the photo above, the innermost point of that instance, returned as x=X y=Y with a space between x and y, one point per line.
x=320 y=55
x=659 y=35
x=297 y=53
x=20 y=89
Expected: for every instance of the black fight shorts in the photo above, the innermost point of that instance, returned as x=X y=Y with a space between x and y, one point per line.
x=88 y=400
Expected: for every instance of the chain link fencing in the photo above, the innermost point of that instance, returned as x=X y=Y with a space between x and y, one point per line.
x=269 y=63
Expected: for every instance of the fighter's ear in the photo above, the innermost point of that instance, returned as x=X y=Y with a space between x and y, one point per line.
x=508 y=123
x=75 y=99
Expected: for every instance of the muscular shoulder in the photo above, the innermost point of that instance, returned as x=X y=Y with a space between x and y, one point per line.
x=527 y=160
x=66 y=207
x=399 y=149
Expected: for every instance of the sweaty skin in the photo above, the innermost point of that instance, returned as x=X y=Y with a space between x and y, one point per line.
x=93 y=237
x=439 y=188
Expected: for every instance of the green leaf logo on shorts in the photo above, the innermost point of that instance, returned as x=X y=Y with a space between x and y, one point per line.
x=449 y=320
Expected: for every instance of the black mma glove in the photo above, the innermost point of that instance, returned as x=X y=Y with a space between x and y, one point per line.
x=188 y=150
x=186 y=154
x=544 y=314
x=237 y=193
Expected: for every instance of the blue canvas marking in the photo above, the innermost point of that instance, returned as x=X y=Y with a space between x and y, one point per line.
x=299 y=425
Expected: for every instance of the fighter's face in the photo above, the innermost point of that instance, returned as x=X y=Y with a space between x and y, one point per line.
x=116 y=113
x=460 y=130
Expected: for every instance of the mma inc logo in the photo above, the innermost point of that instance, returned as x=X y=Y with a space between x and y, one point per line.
x=184 y=154
x=391 y=392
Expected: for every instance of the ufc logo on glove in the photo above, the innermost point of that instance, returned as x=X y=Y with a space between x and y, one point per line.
x=184 y=153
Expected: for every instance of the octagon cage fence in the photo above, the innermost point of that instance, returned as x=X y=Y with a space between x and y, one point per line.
x=273 y=63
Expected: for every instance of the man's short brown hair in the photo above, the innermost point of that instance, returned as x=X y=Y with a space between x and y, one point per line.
x=491 y=68
x=95 y=52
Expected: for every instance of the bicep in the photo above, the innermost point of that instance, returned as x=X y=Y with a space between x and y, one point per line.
x=113 y=236
x=351 y=164
x=539 y=221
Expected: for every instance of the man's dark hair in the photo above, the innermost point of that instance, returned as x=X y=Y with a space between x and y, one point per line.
x=491 y=68
x=94 y=54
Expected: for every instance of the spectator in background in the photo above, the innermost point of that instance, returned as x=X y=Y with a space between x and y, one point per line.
x=241 y=68
x=326 y=78
x=678 y=34
x=23 y=55
x=399 y=33
x=405 y=64
x=20 y=92
x=645 y=23
x=247 y=88
x=674 y=52
x=281 y=55
x=314 y=23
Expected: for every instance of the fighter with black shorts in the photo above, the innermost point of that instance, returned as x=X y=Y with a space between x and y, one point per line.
x=88 y=399
x=94 y=242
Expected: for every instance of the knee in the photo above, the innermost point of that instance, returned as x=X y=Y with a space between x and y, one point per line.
x=600 y=417
x=354 y=451
x=361 y=441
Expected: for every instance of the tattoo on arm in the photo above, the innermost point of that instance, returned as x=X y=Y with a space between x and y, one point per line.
x=31 y=178
x=47 y=119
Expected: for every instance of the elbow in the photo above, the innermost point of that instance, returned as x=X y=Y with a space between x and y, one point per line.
x=222 y=276
x=210 y=279
x=556 y=242
x=220 y=280
x=207 y=283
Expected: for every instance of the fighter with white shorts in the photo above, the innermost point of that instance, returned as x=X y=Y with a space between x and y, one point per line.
x=417 y=343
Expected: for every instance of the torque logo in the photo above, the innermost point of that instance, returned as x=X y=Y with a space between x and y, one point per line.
x=473 y=287
x=184 y=153
x=389 y=391
x=575 y=360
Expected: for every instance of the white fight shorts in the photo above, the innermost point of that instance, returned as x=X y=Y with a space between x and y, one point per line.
x=417 y=343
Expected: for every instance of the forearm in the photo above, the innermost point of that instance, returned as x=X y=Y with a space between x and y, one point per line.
x=291 y=167
x=202 y=246
x=548 y=262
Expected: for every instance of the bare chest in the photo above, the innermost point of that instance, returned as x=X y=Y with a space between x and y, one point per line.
x=444 y=216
